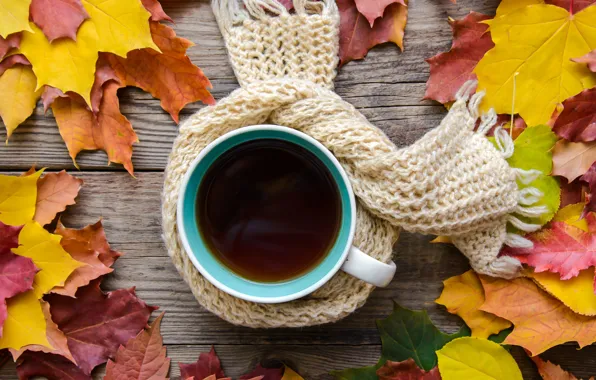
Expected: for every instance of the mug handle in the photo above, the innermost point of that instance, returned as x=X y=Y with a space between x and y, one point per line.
x=368 y=269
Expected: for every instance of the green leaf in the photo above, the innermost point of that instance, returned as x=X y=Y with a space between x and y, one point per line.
x=533 y=149
x=364 y=373
x=405 y=334
x=411 y=334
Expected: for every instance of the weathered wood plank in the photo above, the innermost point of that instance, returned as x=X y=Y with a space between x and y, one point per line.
x=387 y=86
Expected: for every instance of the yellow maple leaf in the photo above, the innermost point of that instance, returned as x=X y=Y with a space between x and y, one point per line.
x=533 y=50
x=121 y=26
x=463 y=295
x=576 y=293
x=18 y=196
x=65 y=64
x=25 y=323
x=44 y=249
x=114 y=27
x=473 y=358
x=18 y=96
x=14 y=16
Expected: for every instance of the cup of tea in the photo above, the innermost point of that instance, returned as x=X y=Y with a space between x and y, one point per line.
x=267 y=214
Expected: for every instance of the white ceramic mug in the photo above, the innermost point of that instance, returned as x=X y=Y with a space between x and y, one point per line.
x=343 y=255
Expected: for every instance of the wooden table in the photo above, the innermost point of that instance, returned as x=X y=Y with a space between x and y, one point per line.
x=387 y=87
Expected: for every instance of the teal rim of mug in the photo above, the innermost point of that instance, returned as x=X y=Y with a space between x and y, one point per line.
x=224 y=278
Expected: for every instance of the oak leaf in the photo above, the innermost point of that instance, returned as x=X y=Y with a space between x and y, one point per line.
x=53 y=367
x=373 y=9
x=450 y=70
x=550 y=371
x=58 y=18
x=142 y=358
x=546 y=37
x=572 y=160
x=157 y=12
x=16 y=272
x=25 y=190
x=8 y=43
x=169 y=76
x=463 y=295
x=55 y=337
x=356 y=36
x=589 y=58
x=14 y=16
x=55 y=191
x=466 y=358
x=91 y=238
x=577 y=122
x=541 y=321
x=205 y=366
x=97 y=323
x=406 y=370
x=109 y=130
x=44 y=249
x=18 y=95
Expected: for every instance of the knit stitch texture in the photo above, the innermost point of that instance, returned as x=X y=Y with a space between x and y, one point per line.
x=453 y=181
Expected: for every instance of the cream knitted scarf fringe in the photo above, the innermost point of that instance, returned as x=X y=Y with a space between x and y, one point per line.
x=453 y=181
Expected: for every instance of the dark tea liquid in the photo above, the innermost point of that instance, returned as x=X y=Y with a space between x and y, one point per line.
x=269 y=210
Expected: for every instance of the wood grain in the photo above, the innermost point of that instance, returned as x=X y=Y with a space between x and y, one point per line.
x=387 y=87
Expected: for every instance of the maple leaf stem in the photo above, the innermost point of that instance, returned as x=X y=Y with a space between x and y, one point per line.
x=570 y=6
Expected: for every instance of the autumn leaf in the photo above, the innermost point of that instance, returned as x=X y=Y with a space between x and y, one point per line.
x=97 y=323
x=450 y=70
x=546 y=37
x=25 y=323
x=16 y=272
x=406 y=370
x=56 y=338
x=463 y=295
x=466 y=358
x=53 y=367
x=81 y=251
x=558 y=248
x=14 y=16
x=550 y=371
x=571 y=160
x=44 y=249
x=290 y=374
x=142 y=358
x=576 y=293
x=58 y=18
x=18 y=96
x=114 y=27
x=8 y=43
x=589 y=58
x=577 y=6
x=375 y=8
x=90 y=238
x=109 y=130
x=25 y=190
x=356 y=36
x=157 y=12
x=590 y=178
x=572 y=215
x=55 y=191
x=577 y=122
x=264 y=373
x=169 y=76
x=205 y=366
x=540 y=321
